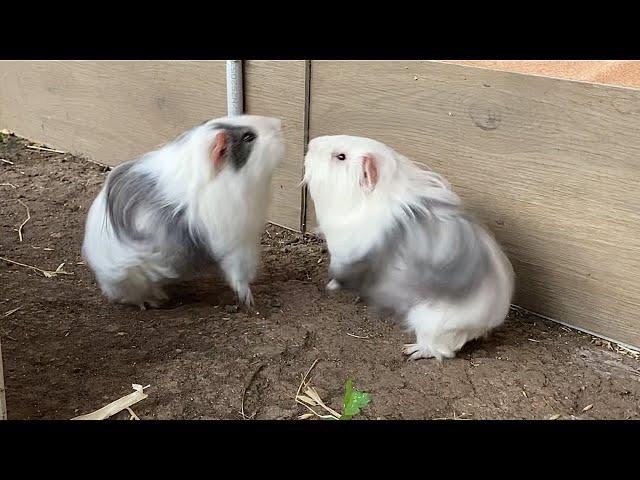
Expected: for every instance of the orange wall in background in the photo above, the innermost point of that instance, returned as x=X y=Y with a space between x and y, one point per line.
x=613 y=72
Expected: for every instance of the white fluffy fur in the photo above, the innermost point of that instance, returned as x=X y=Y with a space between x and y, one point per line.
x=227 y=207
x=354 y=219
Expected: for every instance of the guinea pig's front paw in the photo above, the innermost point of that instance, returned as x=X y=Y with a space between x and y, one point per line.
x=416 y=351
x=246 y=297
x=333 y=285
x=151 y=302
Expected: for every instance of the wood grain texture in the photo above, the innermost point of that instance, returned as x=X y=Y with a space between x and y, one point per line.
x=551 y=166
x=109 y=111
x=276 y=89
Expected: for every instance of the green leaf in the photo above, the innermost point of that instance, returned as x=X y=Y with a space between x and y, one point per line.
x=348 y=393
x=353 y=401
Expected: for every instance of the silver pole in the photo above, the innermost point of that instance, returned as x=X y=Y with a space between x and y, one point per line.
x=235 y=94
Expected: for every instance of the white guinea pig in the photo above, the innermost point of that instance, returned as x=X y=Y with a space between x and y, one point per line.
x=197 y=202
x=398 y=234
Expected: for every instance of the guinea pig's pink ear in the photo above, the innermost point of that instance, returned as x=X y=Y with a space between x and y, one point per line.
x=219 y=149
x=369 y=178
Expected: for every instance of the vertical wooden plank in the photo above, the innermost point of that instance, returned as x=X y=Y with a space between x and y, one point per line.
x=304 y=203
x=277 y=89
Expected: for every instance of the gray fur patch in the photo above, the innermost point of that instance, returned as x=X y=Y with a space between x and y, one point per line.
x=131 y=194
x=240 y=143
x=436 y=252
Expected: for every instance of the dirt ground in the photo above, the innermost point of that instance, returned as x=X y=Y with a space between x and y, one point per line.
x=67 y=351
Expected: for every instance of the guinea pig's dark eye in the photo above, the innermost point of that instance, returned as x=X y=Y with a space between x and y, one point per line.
x=341 y=156
x=248 y=137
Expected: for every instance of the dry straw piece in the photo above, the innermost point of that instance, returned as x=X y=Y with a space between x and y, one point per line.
x=25 y=221
x=123 y=403
x=44 y=149
x=310 y=398
x=11 y=311
x=357 y=336
x=615 y=347
x=46 y=273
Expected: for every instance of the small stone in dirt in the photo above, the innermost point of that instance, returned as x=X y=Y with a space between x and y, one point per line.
x=274 y=412
x=178 y=350
x=111 y=328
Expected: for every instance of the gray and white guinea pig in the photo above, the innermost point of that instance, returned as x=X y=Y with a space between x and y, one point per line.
x=398 y=234
x=198 y=201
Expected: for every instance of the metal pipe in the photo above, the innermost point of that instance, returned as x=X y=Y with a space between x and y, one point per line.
x=235 y=94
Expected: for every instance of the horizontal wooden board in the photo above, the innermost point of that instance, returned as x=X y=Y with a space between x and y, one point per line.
x=276 y=89
x=109 y=111
x=551 y=166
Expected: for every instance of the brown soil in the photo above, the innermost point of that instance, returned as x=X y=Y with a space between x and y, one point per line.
x=67 y=351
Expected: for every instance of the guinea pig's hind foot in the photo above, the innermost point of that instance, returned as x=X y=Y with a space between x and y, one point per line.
x=333 y=285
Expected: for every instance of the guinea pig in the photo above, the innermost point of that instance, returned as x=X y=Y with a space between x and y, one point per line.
x=399 y=235
x=197 y=202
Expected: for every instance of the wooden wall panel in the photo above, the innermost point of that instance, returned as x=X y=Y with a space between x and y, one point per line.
x=552 y=167
x=109 y=111
x=276 y=89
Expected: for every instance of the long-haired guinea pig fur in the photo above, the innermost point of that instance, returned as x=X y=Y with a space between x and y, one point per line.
x=197 y=202
x=398 y=235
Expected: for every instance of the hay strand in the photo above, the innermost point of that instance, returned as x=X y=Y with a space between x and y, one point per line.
x=46 y=273
x=25 y=221
x=123 y=403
